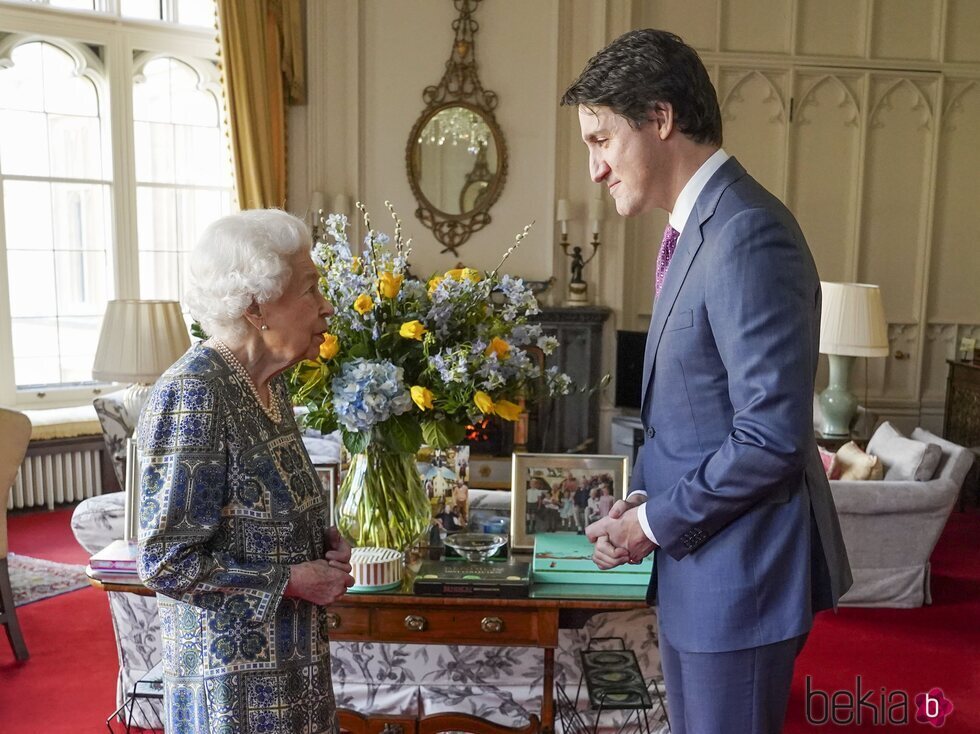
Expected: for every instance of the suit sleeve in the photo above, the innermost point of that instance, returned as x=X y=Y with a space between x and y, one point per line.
x=761 y=295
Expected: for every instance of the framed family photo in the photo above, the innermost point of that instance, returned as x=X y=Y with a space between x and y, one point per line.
x=562 y=493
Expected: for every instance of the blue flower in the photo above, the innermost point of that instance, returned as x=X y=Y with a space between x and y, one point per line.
x=368 y=392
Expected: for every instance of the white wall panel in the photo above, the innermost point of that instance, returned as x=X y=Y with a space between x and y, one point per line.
x=825 y=169
x=754 y=112
x=897 y=161
x=831 y=27
x=956 y=233
x=905 y=29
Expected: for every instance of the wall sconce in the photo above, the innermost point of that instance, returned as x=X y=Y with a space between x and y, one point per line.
x=578 y=289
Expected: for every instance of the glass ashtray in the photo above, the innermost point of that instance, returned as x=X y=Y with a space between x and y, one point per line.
x=475 y=546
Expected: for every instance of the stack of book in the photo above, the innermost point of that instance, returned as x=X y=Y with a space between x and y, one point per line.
x=566 y=558
x=464 y=578
x=115 y=562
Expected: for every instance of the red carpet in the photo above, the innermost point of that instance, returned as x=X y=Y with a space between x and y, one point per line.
x=911 y=650
x=68 y=685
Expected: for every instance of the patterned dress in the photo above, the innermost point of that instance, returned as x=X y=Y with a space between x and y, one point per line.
x=228 y=500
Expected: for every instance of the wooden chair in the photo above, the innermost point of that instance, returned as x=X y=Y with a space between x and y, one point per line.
x=15 y=434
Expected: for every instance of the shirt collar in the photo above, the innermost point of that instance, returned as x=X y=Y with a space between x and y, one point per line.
x=693 y=188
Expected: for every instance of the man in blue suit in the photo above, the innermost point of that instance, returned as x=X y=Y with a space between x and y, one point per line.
x=728 y=489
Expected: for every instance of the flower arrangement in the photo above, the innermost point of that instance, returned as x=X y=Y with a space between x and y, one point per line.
x=407 y=362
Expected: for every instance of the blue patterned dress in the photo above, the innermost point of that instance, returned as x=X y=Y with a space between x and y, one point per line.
x=228 y=500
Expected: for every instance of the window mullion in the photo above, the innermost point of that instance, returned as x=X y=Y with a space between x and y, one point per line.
x=120 y=71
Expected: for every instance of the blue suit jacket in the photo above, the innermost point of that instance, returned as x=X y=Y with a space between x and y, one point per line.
x=750 y=545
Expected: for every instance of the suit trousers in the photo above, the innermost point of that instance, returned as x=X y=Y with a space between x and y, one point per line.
x=732 y=692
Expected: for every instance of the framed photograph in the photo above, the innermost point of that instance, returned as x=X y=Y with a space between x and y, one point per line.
x=329 y=475
x=562 y=493
x=446 y=477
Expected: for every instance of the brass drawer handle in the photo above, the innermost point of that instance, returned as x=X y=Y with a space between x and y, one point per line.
x=333 y=621
x=415 y=623
x=492 y=624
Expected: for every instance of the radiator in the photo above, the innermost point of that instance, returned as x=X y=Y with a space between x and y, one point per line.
x=53 y=478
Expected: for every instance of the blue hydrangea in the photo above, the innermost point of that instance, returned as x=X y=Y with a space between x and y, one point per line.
x=369 y=392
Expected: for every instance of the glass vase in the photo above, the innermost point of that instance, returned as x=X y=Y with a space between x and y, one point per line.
x=382 y=502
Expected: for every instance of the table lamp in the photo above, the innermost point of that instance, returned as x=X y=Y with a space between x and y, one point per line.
x=138 y=342
x=852 y=324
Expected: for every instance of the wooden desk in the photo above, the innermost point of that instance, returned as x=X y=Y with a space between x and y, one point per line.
x=402 y=616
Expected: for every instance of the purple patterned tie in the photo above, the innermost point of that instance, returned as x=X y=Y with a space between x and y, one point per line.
x=666 y=252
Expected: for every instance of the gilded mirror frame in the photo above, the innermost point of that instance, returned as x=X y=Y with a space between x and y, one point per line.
x=459 y=87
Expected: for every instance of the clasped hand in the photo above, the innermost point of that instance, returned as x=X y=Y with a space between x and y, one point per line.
x=326 y=579
x=618 y=537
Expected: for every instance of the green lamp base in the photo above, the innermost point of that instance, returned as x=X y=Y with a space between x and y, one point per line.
x=837 y=402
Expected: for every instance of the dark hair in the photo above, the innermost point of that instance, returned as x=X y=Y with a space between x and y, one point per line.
x=643 y=67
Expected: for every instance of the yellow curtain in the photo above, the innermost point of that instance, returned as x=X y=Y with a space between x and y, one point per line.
x=262 y=52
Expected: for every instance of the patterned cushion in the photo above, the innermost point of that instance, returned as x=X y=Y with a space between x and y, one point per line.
x=856 y=465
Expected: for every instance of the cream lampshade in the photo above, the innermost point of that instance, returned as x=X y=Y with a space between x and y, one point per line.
x=852 y=324
x=138 y=342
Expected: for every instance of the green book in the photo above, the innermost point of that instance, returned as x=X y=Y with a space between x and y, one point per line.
x=566 y=558
x=464 y=578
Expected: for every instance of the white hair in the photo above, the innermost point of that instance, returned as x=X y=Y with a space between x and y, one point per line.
x=239 y=259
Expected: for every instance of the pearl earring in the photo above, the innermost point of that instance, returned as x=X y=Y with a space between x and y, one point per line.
x=264 y=327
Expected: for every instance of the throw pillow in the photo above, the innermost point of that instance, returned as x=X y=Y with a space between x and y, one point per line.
x=857 y=465
x=903 y=458
x=830 y=466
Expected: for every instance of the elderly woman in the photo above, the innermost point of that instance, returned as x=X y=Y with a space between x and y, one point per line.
x=232 y=516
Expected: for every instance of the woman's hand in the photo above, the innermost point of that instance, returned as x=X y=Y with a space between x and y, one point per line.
x=338 y=553
x=321 y=581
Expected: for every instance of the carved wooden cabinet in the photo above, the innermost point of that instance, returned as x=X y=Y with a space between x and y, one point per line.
x=962 y=421
x=571 y=423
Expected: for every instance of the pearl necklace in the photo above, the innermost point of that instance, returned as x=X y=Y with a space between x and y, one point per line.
x=272 y=411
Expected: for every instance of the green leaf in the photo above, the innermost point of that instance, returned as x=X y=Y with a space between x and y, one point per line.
x=443 y=433
x=401 y=433
x=355 y=441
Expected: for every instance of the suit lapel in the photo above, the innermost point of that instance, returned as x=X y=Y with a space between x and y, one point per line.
x=688 y=245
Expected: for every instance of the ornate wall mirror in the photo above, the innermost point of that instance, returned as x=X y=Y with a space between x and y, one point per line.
x=456 y=156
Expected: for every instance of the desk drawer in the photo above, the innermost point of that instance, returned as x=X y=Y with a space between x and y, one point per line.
x=341 y=622
x=459 y=626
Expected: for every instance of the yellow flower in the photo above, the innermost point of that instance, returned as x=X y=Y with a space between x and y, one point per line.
x=363 y=304
x=330 y=346
x=463 y=274
x=507 y=410
x=422 y=396
x=484 y=402
x=499 y=347
x=390 y=284
x=434 y=282
x=412 y=330
x=355 y=264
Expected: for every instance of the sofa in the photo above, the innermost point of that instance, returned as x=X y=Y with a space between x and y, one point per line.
x=891 y=526
x=502 y=684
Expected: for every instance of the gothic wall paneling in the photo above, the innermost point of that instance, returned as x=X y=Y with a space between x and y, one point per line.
x=754 y=112
x=696 y=21
x=831 y=27
x=755 y=25
x=897 y=174
x=906 y=29
x=939 y=345
x=963 y=31
x=825 y=167
x=956 y=226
